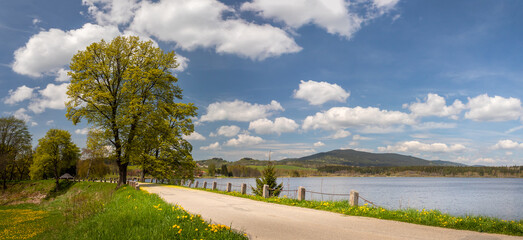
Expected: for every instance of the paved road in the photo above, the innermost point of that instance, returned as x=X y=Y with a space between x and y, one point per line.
x=261 y=220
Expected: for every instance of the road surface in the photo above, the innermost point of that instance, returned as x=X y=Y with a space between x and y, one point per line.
x=261 y=220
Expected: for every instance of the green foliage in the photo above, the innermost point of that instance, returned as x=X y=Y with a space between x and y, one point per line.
x=54 y=154
x=92 y=168
x=125 y=89
x=269 y=178
x=15 y=149
x=243 y=171
x=224 y=171
x=514 y=171
x=212 y=169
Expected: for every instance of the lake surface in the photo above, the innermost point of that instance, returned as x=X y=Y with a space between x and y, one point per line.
x=495 y=197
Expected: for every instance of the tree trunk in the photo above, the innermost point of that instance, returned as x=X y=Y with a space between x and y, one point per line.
x=142 y=177
x=56 y=175
x=89 y=168
x=122 y=169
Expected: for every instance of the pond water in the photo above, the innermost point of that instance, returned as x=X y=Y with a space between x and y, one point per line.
x=495 y=197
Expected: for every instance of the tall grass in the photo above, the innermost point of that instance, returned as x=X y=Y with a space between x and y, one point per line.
x=89 y=210
x=135 y=214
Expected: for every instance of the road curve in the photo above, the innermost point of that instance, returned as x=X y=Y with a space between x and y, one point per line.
x=261 y=220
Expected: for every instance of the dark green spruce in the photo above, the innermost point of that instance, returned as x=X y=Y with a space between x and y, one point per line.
x=269 y=178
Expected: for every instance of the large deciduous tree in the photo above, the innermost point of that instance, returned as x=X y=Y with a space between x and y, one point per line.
x=15 y=148
x=125 y=88
x=54 y=154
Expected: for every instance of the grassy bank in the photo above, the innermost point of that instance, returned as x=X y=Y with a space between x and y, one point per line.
x=89 y=210
x=422 y=217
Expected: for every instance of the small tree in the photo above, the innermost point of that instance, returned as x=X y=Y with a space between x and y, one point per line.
x=212 y=169
x=54 y=154
x=224 y=171
x=269 y=178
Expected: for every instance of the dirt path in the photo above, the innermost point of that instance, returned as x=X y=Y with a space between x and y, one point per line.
x=261 y=220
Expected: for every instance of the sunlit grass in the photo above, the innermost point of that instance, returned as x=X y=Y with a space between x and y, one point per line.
x=90 y=210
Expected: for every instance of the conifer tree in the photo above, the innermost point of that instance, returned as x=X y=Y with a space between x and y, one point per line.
x=269 y=178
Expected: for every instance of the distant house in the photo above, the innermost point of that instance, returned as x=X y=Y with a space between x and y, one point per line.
x=66 y=176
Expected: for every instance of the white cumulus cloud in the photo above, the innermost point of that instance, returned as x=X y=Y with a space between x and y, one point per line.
x=317 y=93
x=194 y=136
x=183 y=63
x=244 y=140
x=20 y=94
x=319 y=144
x=494 y=109
x=48 y=51
x=53 y=96
x=111 y=12
x=280 y=125
x=416 y=146
x=507 y=144
x=201 y=23
x=239 y=111
x=369 y=118
x=436 y=105
x=340 y=134
x=82 y=131
x=228 y=131
x=212 y=146
x=61 y=75
x=336 y=16
x=22 y=115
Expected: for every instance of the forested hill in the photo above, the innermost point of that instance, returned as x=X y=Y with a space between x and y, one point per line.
x=342 y=157
x=351 y=157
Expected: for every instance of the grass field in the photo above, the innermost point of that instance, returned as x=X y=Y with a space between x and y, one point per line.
x=88 y=210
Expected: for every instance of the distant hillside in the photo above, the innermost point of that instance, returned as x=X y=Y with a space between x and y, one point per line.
x=351 y=157
x=244 y=161
x=217 y=162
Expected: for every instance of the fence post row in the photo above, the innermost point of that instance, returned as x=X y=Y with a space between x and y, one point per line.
x=244 y=188
x=353 y=200
x=265 y=191
x=353 y=196
x=301 y=193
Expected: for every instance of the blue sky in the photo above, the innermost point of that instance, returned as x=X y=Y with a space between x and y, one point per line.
x=432 y=79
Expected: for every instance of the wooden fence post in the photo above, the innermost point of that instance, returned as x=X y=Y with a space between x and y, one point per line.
x=196 y=184
x=244 y=188
x=301 y=193
x=265 y=191
x=204 y=184
x=229 y=186
x=214 y=185
x=353 y=200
